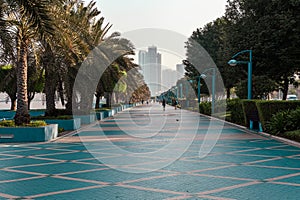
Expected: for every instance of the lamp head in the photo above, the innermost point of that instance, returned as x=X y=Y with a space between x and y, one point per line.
x=232 y=63
x=203 y=76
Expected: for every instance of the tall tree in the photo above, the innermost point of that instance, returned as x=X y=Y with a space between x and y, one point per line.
x=25 y=20
x=272 y=30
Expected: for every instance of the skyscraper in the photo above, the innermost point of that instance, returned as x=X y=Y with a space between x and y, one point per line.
x=150 y=62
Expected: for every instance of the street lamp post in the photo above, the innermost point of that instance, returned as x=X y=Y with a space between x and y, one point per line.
x=234 y=62
x=181 y=95
x=213 y=90
x=187 y=92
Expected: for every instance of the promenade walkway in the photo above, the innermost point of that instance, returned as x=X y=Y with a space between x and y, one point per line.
x=148 y=153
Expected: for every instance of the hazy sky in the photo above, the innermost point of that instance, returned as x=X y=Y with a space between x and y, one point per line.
x=181 y=16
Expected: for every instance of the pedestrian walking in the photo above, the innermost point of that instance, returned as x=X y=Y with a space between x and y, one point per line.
x=164 y=104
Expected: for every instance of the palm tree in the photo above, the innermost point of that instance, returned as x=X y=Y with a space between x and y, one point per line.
x=77 y=33
x=25 y=20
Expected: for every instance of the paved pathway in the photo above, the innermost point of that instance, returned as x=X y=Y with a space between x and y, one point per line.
x=147 y=153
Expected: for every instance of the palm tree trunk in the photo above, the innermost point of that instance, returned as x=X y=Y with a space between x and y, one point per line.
x=13 y=99
x=31 y=96
x=13 y=104
x=228 y=93
x=22 y=115
x=50 y=87
x=97 y=105
x=285 y=89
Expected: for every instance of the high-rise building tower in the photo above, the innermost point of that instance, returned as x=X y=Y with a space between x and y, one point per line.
x=150 y=62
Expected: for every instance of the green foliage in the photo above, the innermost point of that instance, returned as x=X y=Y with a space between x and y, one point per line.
x=261 y=87
x=37 y=124
x=284 y=121
x=266 y=109
x=60 y=130
x=294 y=119
x=231 y=109
x=292 y=135
x=7 y=123
x=205 y=108
x=235 y=111
x=271 y=29
x=278 y=123
x=11 y=123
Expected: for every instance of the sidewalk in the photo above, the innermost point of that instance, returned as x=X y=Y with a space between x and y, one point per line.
x=148 y=153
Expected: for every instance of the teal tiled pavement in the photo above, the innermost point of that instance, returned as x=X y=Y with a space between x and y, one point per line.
x=241 y=165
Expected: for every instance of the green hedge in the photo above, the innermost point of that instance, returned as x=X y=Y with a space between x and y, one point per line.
x=205 y=108
x=233 y=109
x=235 y=112
x=266 y=109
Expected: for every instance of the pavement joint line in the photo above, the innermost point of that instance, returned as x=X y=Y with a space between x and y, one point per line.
x=4 y=159
x=147 y=163
x=275 y=167
x=226 y=177
x=42 y=155
x=261 y=161
x=8 y=196
x=275 y=147
x=147 y=169
x=214 y=198
x=152 y=189
x=254 y=155
x=34 y=165
x=24 y=172
x=64 y=191
x=22 y=179
x=47 y=159
x=81 y=180
x=82 y=171
x=148 y=178
x=87 y=163
x=180 y=197
x=213 y=168
x=229 y=188
x=283 y=177
x=285 y=183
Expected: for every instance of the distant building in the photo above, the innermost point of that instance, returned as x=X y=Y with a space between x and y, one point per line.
x=150 y=62
x=180 y=71
x=169 y=78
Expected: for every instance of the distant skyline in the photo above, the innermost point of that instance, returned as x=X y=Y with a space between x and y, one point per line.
x=182 y=17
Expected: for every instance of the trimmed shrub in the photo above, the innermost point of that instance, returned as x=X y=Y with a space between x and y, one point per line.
x=235 y=112
x=11 y=123
x=205 y=108
x=294 y=119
